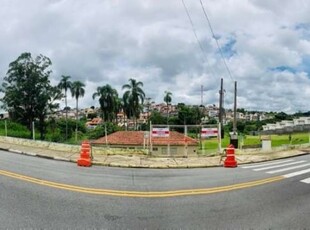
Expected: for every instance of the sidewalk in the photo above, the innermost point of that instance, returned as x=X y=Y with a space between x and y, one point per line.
x=143 y=161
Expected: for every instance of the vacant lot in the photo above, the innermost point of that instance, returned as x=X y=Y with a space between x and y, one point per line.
x=211 y=145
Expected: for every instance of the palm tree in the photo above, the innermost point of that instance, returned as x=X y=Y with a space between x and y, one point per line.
x=147 y=106
x=108 y=101
x=77 y=91
x=118 y=107
x=133 y=98
x=168 y=99
x=65 y=84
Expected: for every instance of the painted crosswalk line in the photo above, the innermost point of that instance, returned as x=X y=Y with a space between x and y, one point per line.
x=296 y=173
x=297 y=168
x=307 y=181
x=289 y=168
x=278 y=166
x=265 y=164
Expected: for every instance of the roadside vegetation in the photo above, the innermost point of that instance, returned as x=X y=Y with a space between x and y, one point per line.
x=32 y=103
x=250 y=141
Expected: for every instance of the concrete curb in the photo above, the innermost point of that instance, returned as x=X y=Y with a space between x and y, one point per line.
x=285 y=157
x=146 y=166
x=37 y=155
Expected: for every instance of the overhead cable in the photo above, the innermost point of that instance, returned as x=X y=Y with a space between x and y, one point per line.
x=214 y=37
x=194 y=31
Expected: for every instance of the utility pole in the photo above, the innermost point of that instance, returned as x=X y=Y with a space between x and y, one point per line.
x=221 y=109
x=234 y=134
x=235 y=110
x=148 y=105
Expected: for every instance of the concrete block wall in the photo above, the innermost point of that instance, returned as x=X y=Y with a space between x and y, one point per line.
x=99 y=150
x=69 y=148
x=40 y=144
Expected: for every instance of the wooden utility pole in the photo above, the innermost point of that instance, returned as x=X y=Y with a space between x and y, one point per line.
x=221 y=101
x=234 y=134
x=221 y=107
x=235 y=110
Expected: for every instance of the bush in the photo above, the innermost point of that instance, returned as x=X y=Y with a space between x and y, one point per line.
x=59 y=128
x=14 y=129
x=99 y=131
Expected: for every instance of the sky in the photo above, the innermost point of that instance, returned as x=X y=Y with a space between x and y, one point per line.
x=264 y=43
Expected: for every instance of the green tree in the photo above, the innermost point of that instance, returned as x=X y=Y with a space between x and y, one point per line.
x=157 y=118
x=65 y=84
x=133 y=98
x=189 y=115
x=168 y=99
x=108 y=100
x=48 y=108
x=28 y=94
x=118 y=107
x=282 y=116
x=77 y=91
x=241 y=110
x=102 y=130
x=91 y=116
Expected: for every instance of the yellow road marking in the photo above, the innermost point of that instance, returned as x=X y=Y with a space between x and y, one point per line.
x=141 y=194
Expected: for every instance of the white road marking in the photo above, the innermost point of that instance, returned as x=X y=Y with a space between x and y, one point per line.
x=307 y=181
x=278 y=166
x=296 y=173
x=265 y=164
x=289 y=168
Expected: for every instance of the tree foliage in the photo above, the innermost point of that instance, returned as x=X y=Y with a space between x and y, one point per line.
x=133 y=98
x=157 y=118
x=65 y=84
x=28 y=94
x=108 y=100
x=168 y=97
x=77 y=91
x=101 y=130
x=189 y=115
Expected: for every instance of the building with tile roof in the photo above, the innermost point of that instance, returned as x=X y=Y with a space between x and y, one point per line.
x=177 y=144
x=93 y=123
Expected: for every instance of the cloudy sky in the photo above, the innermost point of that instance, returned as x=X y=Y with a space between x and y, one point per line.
x=265 y=43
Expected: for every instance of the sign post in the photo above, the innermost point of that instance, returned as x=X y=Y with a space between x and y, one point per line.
x=160 y=132
x=209 y=132
x=220 y=138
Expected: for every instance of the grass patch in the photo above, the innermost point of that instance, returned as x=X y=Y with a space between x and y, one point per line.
x=295 y=139
x=210 y=146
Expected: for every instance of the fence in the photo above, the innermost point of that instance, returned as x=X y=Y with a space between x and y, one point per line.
x=183 y=140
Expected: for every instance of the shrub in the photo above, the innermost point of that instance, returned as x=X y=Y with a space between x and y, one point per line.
x=14 y=129
x=99 y=131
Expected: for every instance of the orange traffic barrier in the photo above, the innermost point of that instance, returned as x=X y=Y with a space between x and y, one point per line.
x=85 y=155
x=230 y=160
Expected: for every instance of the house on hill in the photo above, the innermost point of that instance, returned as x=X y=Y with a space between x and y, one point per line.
x=177 y=144
x=93 y=123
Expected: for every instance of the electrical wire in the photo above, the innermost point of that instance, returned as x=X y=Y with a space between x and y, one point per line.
x=194 y=31
x=218 y=45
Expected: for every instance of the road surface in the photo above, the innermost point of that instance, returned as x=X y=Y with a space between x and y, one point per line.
x=42 y=193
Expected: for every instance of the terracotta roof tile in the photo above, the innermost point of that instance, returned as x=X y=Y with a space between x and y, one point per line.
x=137 y=138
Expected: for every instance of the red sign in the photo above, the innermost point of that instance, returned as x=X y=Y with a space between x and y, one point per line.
x=209 y=132
x=160 y=132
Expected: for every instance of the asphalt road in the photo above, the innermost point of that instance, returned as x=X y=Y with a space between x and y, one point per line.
x=29 y=199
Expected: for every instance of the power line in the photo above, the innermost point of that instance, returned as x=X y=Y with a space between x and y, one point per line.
x=194 y=30
x=218 y=45
x=193 y=27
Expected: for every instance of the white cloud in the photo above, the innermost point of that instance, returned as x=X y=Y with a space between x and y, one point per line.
x=108 y=42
